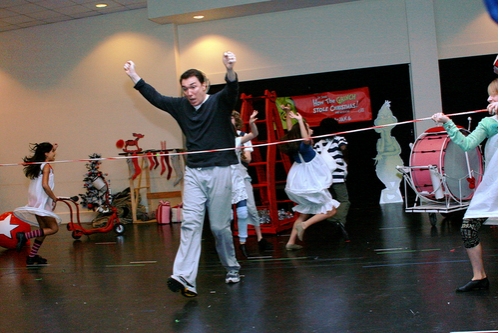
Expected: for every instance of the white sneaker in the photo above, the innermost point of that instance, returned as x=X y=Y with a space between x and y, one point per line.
x=232 y=277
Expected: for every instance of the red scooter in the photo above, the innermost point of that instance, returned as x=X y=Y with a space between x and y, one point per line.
x=113 y=222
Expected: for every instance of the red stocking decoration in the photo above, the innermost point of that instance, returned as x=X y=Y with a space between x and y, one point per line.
x=163 y=165
x=151 y=160
x=136 y=166
x=156 y=163
x=167 y=160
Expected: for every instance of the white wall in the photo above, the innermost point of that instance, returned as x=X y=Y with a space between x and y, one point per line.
x=464 y=28
x=65 y=83
x=313 y=40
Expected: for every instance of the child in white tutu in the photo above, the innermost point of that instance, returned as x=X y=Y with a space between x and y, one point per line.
x=242 y=190
x=41 y=201
x=308 y=180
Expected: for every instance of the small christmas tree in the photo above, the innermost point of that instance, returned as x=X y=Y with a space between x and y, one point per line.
x=95 y=198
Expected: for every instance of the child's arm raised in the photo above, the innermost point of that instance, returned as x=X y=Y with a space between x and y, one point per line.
x=286 y=108
x=303 y=128
x=254 y=129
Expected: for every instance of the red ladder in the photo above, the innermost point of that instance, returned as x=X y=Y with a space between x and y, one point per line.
x=268 y=163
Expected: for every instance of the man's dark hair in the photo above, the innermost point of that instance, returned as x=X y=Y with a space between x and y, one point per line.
x=193 y=72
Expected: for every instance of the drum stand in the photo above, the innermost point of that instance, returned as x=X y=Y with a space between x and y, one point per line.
x=439 y=201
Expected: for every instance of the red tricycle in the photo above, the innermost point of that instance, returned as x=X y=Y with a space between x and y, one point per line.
x=78 y=230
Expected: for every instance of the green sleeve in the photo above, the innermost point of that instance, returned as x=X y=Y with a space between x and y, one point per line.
x=466 y=142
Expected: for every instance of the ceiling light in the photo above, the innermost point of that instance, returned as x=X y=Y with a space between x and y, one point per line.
x=198 y=17
x=101 y=5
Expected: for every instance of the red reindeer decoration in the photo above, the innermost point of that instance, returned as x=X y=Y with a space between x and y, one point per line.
x=134 y=164
x=131 y=143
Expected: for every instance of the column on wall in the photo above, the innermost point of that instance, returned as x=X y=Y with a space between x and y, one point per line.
x=423 y=52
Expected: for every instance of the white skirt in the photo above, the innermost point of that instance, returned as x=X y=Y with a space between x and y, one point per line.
x=308 y=186
x=39 y=203
x=28 y=215
x=484 y=201
x=238 y=184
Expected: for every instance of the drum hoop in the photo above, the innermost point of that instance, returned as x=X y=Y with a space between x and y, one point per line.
x=441 y=159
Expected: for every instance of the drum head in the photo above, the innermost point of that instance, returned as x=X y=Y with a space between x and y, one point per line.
x=455 y=168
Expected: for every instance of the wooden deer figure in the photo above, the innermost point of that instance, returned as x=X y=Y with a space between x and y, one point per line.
x=133 y=143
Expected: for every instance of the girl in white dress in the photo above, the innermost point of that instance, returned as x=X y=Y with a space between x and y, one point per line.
x=242 y=190
x=307 y=182
x=484 y=202
x=41 y=201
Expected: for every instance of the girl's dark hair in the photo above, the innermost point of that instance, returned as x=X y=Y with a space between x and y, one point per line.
x=238 y=123
x=291 y=148
x=238 y=120
x=328 y=126
x=32 y=171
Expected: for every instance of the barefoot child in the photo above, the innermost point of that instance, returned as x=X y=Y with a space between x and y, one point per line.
x=307 y=182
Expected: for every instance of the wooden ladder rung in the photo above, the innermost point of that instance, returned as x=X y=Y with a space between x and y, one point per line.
x=258 y=164
x=284 y=201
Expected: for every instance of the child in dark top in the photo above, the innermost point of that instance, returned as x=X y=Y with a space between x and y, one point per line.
x=336 y=146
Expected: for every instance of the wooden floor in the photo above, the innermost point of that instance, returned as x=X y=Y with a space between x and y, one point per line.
x=398 y=274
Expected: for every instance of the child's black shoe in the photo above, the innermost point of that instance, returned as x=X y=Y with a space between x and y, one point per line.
x=36 y=260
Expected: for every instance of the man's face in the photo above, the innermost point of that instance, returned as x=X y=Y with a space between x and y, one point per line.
x=194 y=90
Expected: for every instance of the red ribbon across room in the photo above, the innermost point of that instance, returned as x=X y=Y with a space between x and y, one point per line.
x=345 y=106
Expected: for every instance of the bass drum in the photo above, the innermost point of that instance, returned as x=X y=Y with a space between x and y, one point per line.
x=461 y=171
